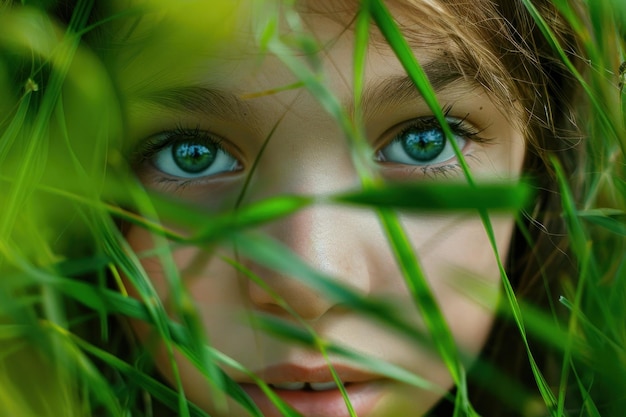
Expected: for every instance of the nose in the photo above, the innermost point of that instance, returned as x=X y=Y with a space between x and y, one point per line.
x=308 y=155
x=330 y=239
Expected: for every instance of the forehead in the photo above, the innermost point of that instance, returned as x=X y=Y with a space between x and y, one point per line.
x=157 y=30
x=166 y=44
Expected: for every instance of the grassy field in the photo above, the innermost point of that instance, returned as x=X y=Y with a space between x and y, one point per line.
x=64 y=347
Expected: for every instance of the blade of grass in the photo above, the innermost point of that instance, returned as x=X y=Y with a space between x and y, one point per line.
x=441 y=196
x=407 y=260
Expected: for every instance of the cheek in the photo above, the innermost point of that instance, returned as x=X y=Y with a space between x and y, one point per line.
x=217 y=290
x=187 y=265
x=462 y=269
x=455 y=254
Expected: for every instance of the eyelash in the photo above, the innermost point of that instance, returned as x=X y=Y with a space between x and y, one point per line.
x=459 y=127
x=149 y=149
x=156 y=143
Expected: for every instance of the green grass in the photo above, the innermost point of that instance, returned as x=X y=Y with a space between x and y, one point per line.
x=62 y=252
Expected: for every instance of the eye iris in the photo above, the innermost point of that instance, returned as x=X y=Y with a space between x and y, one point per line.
x=422 y=145
x=193 y=157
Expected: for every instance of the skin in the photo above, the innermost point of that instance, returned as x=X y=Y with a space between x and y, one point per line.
x=308 y=154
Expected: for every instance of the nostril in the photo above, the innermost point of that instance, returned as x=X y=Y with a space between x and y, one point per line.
x=286 y=293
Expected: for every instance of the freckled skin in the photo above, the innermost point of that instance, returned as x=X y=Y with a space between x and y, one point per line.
x=308 y=154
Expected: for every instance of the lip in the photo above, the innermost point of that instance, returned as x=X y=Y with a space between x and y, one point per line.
x=363 y=389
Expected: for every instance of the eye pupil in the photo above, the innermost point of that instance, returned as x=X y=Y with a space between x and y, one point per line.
x=194 y=157
x=423 y=145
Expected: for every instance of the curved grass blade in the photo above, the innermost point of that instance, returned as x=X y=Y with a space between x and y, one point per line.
x=129 y=264
x=275 y=256
x=293 y=332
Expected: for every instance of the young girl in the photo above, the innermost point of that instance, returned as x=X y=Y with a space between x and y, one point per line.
x=202 y=153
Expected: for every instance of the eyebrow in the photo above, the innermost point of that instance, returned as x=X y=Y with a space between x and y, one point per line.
x=378 y=95
x=400 y=89
x=200 y=99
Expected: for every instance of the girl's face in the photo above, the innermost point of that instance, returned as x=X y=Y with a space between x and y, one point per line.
x=200 y=119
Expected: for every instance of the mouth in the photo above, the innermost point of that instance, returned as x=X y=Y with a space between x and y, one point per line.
x=314 y=393
x=306 y=386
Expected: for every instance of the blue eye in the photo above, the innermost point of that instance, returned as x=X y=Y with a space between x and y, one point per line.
x=423 y=143
x=192 y=155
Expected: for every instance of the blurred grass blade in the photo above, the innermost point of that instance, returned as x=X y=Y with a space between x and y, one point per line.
x=424 y=196
x=165 y=394
x=608 y=219
x=275 y=256
x=250 y=216
x=295 y=333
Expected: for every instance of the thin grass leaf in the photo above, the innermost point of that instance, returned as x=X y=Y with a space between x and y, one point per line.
x=361 y=43
x=228 y=385
x=11 y=132
x=544 y=388
x=31 y=170
x=578 y=238
x=384 y=20
x=426 y=303
x=543 y=326
x=601 y=112
x=198 y=339
x=411 y=270
x=289 y=49
x=593 y=329
x=283 y=407
x=219 y=226
x=319 y=344
x=572 y=331
x=99 y=387
x=589 y=407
